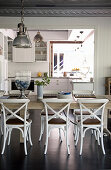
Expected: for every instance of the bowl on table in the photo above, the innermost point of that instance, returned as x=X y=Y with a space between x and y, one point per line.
x=64 y=95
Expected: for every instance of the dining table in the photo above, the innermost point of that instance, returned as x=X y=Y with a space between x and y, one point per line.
x=36 y=104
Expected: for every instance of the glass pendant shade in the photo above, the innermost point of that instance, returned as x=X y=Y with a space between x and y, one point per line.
x=22 y=39
x=38 y=38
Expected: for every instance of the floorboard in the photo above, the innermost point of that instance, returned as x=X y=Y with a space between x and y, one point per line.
x=56 y=158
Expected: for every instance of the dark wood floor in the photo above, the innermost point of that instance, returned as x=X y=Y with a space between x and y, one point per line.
x=56 y=158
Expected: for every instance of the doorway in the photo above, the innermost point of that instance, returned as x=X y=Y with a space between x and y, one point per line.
x=74 y=58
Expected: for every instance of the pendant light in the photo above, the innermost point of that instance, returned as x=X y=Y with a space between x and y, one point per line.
x=22 y=40
x=38 y=39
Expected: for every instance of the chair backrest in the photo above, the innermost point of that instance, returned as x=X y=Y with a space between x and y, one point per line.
x=12 y=107
x=57 y=106
x=95 y=107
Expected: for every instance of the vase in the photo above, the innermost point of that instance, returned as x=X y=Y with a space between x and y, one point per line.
x=22 y=82
x=39 y=92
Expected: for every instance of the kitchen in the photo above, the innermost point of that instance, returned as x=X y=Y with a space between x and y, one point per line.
x=99 y=74
x=31 y=59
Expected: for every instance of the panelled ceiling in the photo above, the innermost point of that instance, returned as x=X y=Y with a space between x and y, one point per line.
x=56 y=7
x=56 y=3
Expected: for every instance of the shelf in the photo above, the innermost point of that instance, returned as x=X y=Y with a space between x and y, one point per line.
x=10 y=50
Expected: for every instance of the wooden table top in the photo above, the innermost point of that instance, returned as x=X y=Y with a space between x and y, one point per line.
x=37 y=104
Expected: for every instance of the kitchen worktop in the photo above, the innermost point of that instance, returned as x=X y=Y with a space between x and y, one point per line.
x=10 y=77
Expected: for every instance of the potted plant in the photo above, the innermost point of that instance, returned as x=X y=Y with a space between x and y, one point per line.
x=40 y=84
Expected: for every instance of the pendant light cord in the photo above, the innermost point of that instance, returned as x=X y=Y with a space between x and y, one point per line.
x=22 y=11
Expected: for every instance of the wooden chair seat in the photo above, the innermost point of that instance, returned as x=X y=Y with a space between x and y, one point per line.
x=16 y=121
x=57 y=121
x=91 y=122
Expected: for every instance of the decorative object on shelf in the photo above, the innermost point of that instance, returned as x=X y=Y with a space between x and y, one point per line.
x=22 y=40
x=22 y=81
x=40 y=84
x=76 y=69
x=65 y=74
x=45 y=74
x=39 y=74
x=91 y=79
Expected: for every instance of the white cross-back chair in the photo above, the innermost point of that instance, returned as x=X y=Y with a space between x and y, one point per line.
x=92 y=121
x=14 y=121
x=82 y=90
x=57 y=120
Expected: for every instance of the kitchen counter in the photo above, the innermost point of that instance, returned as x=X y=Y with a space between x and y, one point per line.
x=72 y=78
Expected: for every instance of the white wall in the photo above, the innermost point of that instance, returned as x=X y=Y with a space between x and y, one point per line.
x=102 y=27
x=33 y=67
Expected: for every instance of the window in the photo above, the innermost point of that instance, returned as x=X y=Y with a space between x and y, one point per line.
x=55 y=61
x=61 y=61
x=58 y=65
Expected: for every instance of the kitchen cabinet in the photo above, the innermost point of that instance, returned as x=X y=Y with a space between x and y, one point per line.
x=1 y=43
x=3 y=62
x=3 y=74
x=23 y=54
x=10 y=42
x=5 y=48
x=41 y=52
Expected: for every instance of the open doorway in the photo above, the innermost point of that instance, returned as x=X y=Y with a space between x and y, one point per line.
x=75 y=57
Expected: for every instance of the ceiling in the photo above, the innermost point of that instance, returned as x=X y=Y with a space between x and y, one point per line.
x=56 y=3
x=56 y=7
